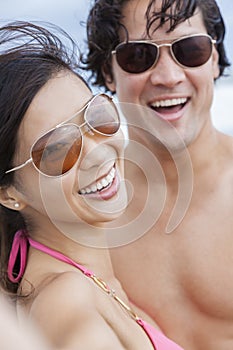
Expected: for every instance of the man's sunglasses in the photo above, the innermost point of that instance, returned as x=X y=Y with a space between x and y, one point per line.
x=56 y=152
x=189 y=52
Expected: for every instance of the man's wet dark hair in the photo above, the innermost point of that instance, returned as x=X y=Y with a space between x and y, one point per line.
x=105 y=21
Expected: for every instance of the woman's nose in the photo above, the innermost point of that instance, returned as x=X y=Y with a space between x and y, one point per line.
x=95 y=150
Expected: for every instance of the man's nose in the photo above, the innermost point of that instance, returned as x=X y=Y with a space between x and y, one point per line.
x=167 y=72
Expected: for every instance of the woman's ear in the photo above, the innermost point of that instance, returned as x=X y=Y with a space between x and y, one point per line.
x=215 y=63
x=9 y=198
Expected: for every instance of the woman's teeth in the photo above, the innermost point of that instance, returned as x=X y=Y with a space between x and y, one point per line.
x=98 y=186
x=169 y=103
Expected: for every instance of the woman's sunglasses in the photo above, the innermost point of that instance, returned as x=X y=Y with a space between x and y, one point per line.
x=189 y=52
x=57 y=151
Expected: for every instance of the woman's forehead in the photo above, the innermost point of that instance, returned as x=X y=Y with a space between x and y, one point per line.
x=56 y=101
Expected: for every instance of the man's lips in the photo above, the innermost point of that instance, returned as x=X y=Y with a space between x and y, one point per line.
x=169 y=102
x=169 y=109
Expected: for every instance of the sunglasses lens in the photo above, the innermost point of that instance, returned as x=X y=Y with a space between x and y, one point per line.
x=193 y=51
x=136 y=57
x=56 y=152
x=102 y=116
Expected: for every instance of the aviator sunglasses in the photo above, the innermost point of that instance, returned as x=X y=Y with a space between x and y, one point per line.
x=189 y=52
x=56 y=152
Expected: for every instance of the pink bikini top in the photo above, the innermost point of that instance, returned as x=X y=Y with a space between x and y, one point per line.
x=19 y=246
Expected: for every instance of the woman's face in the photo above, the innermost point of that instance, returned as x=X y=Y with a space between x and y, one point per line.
x=92 y=190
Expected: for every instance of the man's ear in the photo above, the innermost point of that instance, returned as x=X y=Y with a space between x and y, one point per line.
x=109 y=79
x=9 y=198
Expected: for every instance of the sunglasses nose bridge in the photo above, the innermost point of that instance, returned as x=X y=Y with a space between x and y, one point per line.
x=164 y=44
x=159 y=46
x=166 y=72
x=85 y=128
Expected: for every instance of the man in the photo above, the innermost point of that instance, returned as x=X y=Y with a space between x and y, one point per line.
x=180 y=267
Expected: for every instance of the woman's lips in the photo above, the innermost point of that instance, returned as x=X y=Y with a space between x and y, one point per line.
x=111 y=190
x=104 y=188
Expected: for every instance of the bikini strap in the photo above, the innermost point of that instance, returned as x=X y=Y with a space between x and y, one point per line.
x=97 y=280
x=57 y=255
x=19 y=246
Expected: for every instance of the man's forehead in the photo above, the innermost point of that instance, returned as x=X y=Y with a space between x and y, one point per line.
x=142 y=18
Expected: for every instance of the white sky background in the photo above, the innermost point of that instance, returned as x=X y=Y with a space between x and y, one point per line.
x=69 y=14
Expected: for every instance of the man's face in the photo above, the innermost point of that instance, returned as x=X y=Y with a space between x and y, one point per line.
x=187 y=92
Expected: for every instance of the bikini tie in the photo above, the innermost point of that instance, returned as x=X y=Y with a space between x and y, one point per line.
x=19 y=246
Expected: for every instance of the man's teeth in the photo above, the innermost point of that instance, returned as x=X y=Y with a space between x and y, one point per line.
x=98 y=186
x=169 y=103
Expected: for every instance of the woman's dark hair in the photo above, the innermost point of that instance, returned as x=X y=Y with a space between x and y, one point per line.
x=104 y=22
x=29 y=56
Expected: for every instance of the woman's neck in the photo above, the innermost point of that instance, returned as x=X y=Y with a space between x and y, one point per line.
x=83 y=243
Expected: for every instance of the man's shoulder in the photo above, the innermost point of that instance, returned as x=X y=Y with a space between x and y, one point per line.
x=224 y=145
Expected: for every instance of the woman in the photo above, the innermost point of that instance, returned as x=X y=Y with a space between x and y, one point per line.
x=61 y=179
x=15 y=336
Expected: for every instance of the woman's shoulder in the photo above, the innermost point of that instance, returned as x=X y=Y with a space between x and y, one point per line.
x=63 y=304
x=67 y=289
x=66 y=309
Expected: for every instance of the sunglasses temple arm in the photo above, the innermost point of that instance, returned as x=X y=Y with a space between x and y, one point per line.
x=19 y=167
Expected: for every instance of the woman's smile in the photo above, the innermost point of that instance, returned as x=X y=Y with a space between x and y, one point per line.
x=101 y=184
